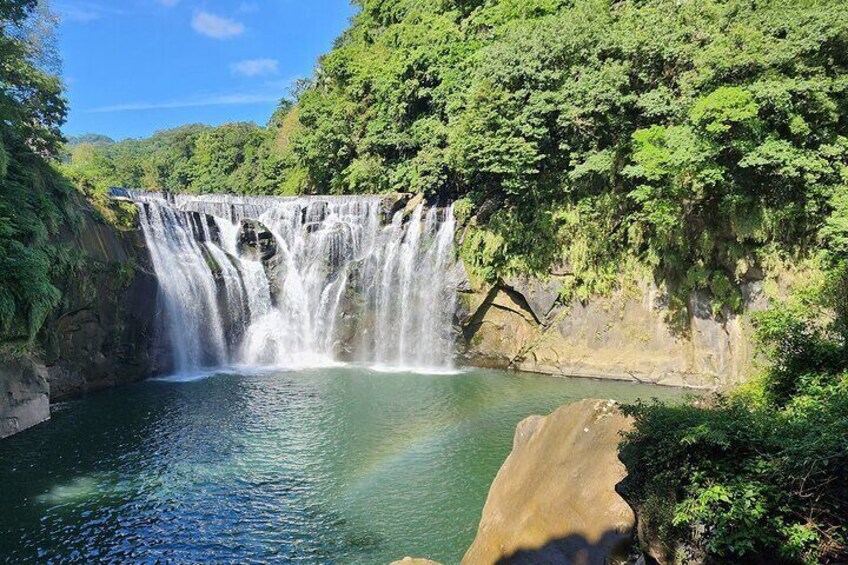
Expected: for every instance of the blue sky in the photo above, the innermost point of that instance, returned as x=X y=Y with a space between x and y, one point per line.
x=136 y=66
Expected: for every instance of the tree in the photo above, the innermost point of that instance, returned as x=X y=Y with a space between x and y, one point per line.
x=32 y=109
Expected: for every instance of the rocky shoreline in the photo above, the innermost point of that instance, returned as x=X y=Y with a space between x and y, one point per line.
x=521 y=323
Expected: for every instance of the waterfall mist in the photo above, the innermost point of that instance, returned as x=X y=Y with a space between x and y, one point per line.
x=303 y=281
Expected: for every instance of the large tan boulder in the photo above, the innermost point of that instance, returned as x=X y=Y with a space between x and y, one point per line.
x=554 y=500
x=414 y=561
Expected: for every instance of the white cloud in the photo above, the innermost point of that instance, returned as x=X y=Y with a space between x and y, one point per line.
x=255 y=67
x=214 y=26
x=237 y=99
x=84 y=12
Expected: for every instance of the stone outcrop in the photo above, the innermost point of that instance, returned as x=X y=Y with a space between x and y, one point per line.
x=103 y=333
x=554 y=500
x=520 y=323
x=256 y=242
x=24 y=394
x=393 y=203
x=412 y=204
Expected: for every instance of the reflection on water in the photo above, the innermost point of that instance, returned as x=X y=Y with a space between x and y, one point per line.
x=333 y=465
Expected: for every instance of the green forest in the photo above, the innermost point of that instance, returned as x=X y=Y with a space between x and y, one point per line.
x=703 y=142
x=34 y=200
x=595 y=134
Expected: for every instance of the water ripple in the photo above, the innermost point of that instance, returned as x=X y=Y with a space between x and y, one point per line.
x=333 y=465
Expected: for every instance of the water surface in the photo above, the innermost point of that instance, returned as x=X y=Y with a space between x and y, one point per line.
x=335 y=465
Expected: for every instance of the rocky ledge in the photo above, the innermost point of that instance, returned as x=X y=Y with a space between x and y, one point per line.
x=522 y=323
x=554 y=499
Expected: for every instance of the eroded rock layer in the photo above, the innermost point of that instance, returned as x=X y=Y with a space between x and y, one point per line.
x=522 y=324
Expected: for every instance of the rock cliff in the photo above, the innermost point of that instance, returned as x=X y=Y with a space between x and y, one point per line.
x=520 y=323
x=103 y=333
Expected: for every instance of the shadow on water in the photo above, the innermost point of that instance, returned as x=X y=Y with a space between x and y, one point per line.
x=573 y=550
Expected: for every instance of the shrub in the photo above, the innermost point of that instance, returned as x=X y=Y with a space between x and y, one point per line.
x=756 y=476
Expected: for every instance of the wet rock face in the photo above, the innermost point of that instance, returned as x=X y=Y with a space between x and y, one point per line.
x=24 y=395
x=204 y=228
x=554 y=499
x=394 y=203
x=255 y=241
x=315 y=213
x=355 y=323
x=106 y=330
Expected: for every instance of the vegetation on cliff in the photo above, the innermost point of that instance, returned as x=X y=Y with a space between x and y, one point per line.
x=755 y=476
x=33 y=196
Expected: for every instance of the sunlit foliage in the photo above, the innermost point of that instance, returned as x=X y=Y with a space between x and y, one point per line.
x=32 y=195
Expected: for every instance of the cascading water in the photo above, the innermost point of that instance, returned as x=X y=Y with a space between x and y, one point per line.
x=302 y=281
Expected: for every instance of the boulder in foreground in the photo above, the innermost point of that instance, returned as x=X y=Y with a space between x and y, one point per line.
x=554 y=500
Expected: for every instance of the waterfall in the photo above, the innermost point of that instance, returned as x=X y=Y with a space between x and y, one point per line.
x=302 y=281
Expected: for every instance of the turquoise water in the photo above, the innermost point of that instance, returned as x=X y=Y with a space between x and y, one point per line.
x=340 y=465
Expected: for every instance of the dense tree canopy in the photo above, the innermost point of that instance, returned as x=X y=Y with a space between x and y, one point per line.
x=687 y=136
x=32 y=195
x=237 y=157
